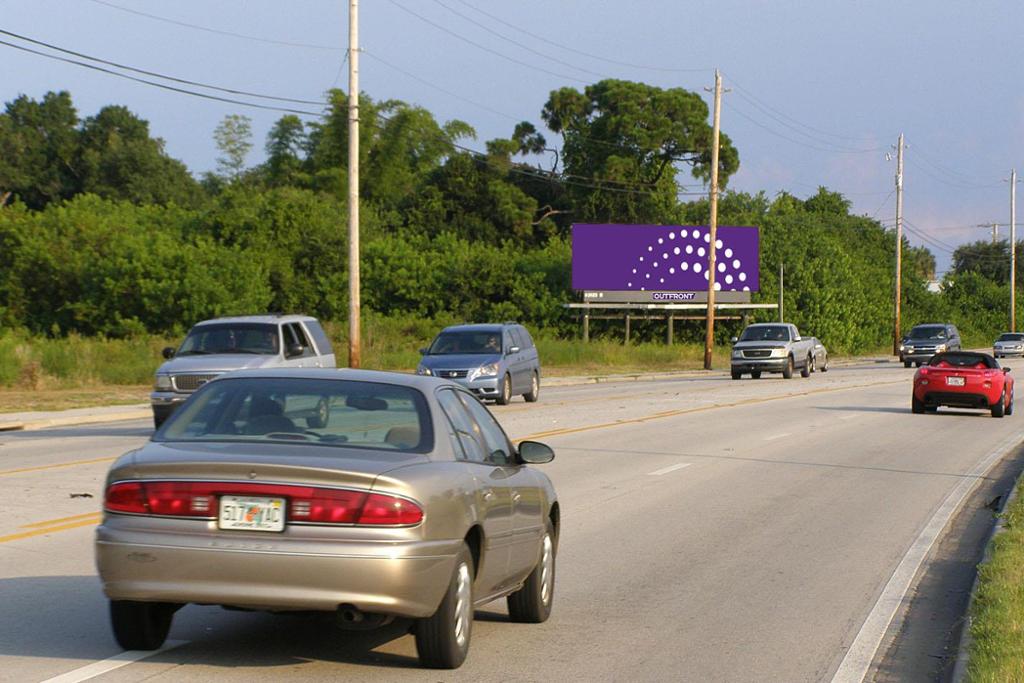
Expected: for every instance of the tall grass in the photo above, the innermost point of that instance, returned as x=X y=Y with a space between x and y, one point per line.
x=388 y=343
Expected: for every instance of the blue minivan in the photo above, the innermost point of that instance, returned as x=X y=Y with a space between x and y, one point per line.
x=495 y=361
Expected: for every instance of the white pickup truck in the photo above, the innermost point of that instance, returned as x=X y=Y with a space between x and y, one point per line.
x=776 y=347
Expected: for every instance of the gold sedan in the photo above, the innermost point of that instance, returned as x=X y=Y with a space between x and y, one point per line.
x=372 y=495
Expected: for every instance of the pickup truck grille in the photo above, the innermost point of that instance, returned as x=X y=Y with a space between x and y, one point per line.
x=757 y=353
x=190 y=382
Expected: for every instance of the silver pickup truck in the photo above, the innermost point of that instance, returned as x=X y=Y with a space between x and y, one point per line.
x=776 y=347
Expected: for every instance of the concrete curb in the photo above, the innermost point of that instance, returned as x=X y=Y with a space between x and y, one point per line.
x=33 y=423
x=963 y=650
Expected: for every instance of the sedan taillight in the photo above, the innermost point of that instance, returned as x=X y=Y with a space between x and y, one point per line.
x=308 y=504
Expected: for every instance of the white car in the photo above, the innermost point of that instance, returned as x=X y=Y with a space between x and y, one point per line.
x=1009 y=345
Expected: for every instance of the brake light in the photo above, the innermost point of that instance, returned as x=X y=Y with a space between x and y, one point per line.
x=303 y=503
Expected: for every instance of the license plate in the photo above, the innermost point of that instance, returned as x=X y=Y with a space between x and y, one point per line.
x=251 y=514
x=955 y=381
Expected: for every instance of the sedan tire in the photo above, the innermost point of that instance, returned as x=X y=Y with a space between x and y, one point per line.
x=531 y=604
x=916 y=406
x=805 y=371
x=141 y=625
x=442 y=639
x=824 y=364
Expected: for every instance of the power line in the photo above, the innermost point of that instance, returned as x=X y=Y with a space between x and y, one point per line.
x=581 y=52
x=483 y=47
x=155 y=74
x=197 y=27
x=801 y=143
x=163 y=86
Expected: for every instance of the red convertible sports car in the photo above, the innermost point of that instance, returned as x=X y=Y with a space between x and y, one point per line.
x=963 y=379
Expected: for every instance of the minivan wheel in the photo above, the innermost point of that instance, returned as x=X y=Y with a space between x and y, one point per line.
x=505 y=391
x=534 y=393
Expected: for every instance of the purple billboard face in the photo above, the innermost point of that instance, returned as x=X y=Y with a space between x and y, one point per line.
x=664 y=258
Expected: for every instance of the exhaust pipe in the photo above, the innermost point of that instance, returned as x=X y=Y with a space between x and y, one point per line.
x=351 y=618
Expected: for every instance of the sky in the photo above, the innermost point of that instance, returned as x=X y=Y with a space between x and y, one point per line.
x=819 y=90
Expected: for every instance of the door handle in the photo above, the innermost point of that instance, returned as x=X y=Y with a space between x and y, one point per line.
x=516 y=496
x=488 y=494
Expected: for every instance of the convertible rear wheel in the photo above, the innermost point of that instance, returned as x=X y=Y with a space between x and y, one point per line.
x=1009 y=408
x=442 y=640
x=531 y=604
x=999 y=407
x=141 y=625
x=916 y=406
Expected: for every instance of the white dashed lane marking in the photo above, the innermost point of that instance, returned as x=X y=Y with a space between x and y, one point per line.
x=670 y=468
x=777 y=436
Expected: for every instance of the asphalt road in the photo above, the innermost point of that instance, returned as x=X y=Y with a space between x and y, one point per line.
x=712 y=530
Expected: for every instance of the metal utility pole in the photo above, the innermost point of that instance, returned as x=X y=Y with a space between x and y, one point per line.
x=354 y=347
x=1013 y=250
x=709 y=337
x=896 y=336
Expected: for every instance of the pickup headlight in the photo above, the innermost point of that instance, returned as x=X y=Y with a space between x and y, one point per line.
x=163 y=383
x=909 y=349
x=736 y=353
x=424 y=371
x=779 y=353
x=489 y=370
x=940 y=348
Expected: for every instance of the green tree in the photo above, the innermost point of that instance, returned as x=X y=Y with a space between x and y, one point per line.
x=988 y=259
x=118 y=159
x=625 y=142
x=38 y=145
x=286 y=144
x=233 y=136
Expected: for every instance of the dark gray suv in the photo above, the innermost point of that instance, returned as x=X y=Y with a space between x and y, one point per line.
x=495 y=361
x=927 y=339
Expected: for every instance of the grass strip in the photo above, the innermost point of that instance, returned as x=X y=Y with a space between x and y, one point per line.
x=997 y=625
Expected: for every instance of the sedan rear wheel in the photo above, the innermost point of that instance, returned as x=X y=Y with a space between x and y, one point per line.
x=916 y=406
x=141 y=625
x=442 y=639
x=531 y=604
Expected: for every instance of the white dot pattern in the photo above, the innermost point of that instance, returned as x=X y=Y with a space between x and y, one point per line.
x=693 y=257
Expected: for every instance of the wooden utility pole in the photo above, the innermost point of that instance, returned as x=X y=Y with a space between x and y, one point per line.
x=896 y=336
x=782 y=292
x=709 y=337
x=354 y=347
x=1013 y=250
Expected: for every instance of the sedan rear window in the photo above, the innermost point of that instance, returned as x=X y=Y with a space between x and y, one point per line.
x=298 y=410
x=963 y=360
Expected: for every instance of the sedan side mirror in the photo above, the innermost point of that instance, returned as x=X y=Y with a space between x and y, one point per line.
x=535 y=452
x=168 y=352
x=293 y=350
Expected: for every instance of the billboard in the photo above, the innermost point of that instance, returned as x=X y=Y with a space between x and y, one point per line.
x=663 y=258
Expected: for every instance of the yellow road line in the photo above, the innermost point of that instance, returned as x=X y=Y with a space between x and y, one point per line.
x=61 y=464
x=74 y=518
x=699 y=409
x=40 y=532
